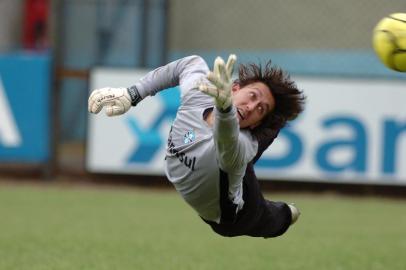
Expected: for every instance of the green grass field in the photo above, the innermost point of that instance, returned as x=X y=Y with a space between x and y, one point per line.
x=57 y=227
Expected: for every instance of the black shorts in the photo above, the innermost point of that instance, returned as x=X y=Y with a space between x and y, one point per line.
x=258 y=217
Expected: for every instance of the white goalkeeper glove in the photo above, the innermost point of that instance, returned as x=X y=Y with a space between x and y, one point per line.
x=220 y=89
x=116 y=100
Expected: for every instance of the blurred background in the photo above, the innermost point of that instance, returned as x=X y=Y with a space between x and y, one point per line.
x=54 y=52
x=351 y=137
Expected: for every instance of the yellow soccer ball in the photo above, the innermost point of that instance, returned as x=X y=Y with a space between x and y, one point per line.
x=389 y=41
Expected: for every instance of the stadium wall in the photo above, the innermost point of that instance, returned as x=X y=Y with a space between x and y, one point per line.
x=323 y=38
x=10 y=25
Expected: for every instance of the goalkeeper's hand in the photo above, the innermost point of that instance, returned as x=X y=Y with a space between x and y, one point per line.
x=116 y=100
x=220 y=77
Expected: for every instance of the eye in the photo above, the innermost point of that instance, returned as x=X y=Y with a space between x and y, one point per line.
x=261 y=109
x=252 y=95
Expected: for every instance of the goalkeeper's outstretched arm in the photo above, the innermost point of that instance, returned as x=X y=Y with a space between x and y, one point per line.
x=234 y=150
x=119 y=100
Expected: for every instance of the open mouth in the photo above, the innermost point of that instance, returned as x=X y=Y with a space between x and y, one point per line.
x=241 y=114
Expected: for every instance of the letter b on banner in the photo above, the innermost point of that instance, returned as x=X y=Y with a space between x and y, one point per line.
x=290 y=157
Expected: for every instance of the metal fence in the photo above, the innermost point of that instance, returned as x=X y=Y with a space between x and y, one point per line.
x=308 y=37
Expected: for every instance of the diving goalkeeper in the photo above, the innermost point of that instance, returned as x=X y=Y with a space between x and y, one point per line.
x=221 y=129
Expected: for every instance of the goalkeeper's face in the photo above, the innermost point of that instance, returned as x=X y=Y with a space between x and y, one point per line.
x=253 y=102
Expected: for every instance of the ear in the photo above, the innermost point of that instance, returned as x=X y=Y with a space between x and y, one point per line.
x=235 y=87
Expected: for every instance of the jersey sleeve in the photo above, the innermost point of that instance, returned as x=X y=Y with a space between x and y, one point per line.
x=184 y=72
x=235 y=147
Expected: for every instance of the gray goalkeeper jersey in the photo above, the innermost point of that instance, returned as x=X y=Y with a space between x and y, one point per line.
x=196 y=151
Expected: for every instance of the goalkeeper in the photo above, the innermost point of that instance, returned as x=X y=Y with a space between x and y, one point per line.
x=221 y=129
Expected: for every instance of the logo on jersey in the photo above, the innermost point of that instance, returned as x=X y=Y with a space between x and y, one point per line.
x=189 y=136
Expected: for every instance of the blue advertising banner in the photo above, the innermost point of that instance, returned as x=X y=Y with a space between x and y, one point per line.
x=353 y=130
x=25 y=107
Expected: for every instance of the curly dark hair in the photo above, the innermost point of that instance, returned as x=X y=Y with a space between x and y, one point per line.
x=289 y=100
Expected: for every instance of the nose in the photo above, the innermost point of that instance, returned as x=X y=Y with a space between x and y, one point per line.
x=251 y=106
